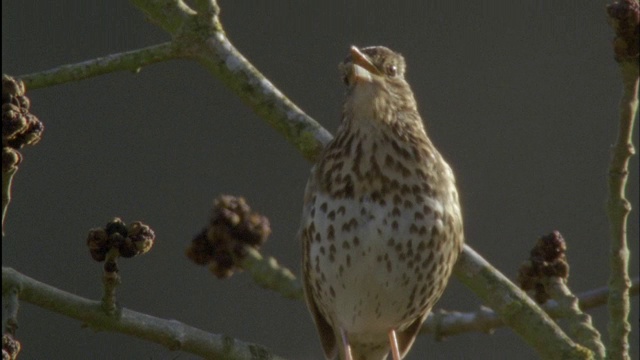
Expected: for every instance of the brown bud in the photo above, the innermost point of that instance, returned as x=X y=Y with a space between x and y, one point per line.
x=98 y=243
x=200 y=251
x=134 y=239
x=11 y=87
x=624 y=17
x=29 y=136
x=10 y=347
x=232 y=227
x=23 y=102
x=547 y=259
x=141 y=236
x=13 y=121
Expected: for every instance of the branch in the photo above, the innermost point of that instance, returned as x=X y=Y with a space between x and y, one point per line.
x=623 y=16
x=225 y=62
x=581 y=328
x=201 y=37
x=516 y=308
x=171 y=334
x=448 y=323
x=170 y=15
x=130 y=61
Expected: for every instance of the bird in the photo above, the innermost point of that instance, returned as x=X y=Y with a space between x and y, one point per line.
x=381 y=225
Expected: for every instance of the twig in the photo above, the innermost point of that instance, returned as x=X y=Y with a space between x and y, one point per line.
x=130 y=61
x=110 y=282
x=171 y=334
x=618 y=209
x=171 y=15
x=267 y=273
x=7 y=181
x=623 y=16
x=596 y=297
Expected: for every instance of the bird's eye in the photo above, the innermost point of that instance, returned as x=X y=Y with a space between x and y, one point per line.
x=345 y=79
x=391 y=70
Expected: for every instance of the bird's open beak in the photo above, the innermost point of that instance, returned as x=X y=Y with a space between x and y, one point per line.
x=363 y=68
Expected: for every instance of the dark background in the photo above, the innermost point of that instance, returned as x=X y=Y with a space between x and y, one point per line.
x=521 y=98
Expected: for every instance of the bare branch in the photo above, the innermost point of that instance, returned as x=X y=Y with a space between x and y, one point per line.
x=170 y=15
x=580 y=327
x=267 y=273
x=171 y=334
x=516 y=308
x=623 y=16
x=444 y=323
x=129 y=61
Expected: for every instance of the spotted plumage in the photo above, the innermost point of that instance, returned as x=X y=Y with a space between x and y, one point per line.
x=381 y=225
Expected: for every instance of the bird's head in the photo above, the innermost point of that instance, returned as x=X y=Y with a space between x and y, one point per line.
x=376 y=84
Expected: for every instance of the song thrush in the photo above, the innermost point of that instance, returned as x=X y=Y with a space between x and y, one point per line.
x=381 y=224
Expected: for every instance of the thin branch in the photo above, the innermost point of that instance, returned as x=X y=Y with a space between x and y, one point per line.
x=171 y=334
x=170 y=15
x=597 y=297
x=7 y=181
x=267 y=273
x=130 y=61
x=618 y=209
x=110 y=282
x=623 y=17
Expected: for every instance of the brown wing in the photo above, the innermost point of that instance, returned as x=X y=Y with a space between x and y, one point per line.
x=408 y=335
x=325 y=330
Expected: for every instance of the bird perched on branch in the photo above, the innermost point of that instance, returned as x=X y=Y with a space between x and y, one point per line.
x=381 y=224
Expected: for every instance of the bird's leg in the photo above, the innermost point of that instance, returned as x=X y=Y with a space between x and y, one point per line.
x=393 y=341
x=345 y=345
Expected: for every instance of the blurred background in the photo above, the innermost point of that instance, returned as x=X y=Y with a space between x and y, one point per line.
x=521 y=98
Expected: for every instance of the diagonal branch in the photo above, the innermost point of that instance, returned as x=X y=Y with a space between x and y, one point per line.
x=516 y=308
x=444 y=323
x=225 y=62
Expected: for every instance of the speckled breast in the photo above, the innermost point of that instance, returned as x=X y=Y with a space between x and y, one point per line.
x=378 y=263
